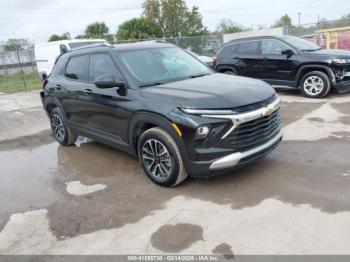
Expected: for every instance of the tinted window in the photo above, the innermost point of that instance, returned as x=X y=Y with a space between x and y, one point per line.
x=248 y=48
x=234 y=48
x=101 y=64
x=273 y=47
x=76 y=68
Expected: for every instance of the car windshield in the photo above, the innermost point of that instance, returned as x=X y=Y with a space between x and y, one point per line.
x=300 y=43
x=161 y=65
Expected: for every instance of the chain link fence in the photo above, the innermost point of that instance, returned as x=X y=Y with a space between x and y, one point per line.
x=18 y=68
x=330 y=35
x=201 y=45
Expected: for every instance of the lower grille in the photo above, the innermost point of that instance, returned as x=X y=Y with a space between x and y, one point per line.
x=254 y=133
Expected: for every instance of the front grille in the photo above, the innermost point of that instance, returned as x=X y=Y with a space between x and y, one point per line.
x=255 y=106
x=254 y=133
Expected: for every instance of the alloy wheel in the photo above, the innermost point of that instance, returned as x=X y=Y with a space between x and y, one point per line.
x=156 y=159
x=58 y=127
x=313 y=85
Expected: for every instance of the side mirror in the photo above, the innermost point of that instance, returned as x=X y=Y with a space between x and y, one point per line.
x=108 y=81
x=288 y=52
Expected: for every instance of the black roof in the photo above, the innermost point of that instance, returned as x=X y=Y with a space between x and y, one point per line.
x=253 y=38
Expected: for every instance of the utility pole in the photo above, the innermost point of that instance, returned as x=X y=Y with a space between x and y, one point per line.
x=299 y=14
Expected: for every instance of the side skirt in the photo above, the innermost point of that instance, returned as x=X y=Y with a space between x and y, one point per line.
x=102 y=137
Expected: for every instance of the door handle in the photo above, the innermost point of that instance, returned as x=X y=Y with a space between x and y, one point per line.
x=58 y=87
x=87 y=91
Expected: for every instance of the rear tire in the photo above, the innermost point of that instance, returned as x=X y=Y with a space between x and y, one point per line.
x=60 y=128
x=160 y=158
x=315 y=84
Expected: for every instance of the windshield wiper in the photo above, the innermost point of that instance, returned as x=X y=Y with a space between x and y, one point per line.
x=199 y=75
x=152 y=84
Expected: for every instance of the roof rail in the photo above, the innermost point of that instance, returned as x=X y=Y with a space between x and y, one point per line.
x=91 y=46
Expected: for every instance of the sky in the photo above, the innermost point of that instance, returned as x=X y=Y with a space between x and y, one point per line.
x=36 y=20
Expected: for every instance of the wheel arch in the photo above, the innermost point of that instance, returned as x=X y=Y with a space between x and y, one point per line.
x=52 y=102
x=309 y=68
x=144 y=120
x=223 y=68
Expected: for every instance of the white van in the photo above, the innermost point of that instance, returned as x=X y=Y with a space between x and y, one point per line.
x=47 y=53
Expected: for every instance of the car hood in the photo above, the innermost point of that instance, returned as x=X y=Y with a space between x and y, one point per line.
x=205 y=59
x=331 y=53
x=212 y=91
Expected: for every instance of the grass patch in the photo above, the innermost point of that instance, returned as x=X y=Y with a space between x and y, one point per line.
x=14 y=83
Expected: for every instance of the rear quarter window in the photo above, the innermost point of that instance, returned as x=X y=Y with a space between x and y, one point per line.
x=225 y=51
x=248 y=48
x=76 y=68
x=58 y=68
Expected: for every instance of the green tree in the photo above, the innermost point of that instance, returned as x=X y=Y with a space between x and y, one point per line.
x=285 y=20
x=14 y=44
x=96 y=30
x=138 y=28
x=227 y=26
x=174 y=17
x=56 y=37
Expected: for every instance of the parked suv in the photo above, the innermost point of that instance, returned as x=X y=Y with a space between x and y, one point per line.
x=287 y=61
x=159 y=103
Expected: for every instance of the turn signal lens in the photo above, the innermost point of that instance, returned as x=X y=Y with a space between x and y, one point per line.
x=177 y=129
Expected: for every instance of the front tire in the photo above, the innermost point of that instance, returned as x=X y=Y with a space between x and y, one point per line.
x=160 y=158
x=60 y=128
x=315 y=84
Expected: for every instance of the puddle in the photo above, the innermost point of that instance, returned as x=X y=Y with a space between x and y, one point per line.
x=175 y=238
x=225 y=250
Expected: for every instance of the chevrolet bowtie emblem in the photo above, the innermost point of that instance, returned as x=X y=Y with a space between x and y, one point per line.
x=268 y=111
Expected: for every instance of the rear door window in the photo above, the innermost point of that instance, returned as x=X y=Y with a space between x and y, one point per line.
x=102 y=64
x=249 y=48
x=76 y=68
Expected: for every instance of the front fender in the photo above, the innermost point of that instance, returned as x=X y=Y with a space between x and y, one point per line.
x=144 y=118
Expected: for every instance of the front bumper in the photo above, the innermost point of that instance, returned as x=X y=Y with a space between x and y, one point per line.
x=260 y=127
x=233 y=161
x=343 y=87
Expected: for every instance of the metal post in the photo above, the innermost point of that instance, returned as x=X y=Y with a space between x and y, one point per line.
x=21 y=69
x=202 y=45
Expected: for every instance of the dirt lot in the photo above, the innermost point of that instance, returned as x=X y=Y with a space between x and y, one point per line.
x=94 y=199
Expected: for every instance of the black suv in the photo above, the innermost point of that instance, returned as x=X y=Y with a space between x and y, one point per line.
x=287 y=61
x=159 y=103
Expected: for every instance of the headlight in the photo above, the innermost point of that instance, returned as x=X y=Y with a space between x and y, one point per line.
x=193 y=111
x=340 y=61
